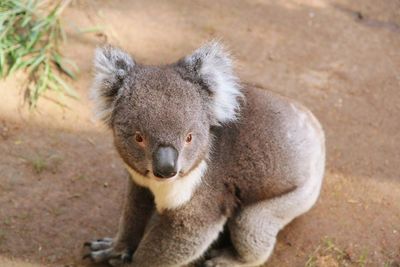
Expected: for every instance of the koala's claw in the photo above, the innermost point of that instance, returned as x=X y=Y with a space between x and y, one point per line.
x=220 y=258
x=216 y=263
x=99 y=244
x=123 y=258
x=102 y=250
x=211 y=263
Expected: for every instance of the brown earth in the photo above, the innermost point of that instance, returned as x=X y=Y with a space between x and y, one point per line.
x=61 y=180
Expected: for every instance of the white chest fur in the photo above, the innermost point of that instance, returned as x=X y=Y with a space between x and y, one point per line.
x=171 y=194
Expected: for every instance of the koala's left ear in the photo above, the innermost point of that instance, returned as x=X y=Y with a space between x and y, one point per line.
x=112 y=68
x=211 y=67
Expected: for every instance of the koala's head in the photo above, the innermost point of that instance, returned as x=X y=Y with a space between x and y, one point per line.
x=161 y=115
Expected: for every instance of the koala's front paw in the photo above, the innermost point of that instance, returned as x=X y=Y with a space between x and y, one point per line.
x=105 y=249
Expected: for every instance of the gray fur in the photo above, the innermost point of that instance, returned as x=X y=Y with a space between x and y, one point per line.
x=112 y=67
x=265 y=162
x=213 y=67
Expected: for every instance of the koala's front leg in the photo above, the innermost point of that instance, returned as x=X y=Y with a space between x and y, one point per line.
x=177 y=238
x=138 y=208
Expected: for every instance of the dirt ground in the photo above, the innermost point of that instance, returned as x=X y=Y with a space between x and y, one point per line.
x=61 y=180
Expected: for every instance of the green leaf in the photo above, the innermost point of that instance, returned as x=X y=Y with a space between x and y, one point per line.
x=30 y=35
x=38 y=60
x=2 y=64
x=15 y=65
x=93 y=29
x=69 y=91
x=61 y=64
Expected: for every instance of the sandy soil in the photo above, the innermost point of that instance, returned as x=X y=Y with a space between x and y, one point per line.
x=61 y=179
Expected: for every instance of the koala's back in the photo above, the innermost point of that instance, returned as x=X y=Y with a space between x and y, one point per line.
x=272 y=149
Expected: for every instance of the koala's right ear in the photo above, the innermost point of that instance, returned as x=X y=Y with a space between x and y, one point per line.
x=112 y=68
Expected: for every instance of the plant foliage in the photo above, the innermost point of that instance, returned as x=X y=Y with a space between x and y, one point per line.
x=30 y=36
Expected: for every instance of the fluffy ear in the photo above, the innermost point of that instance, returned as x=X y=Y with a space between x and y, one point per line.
x=211 y=67
x=112 y=68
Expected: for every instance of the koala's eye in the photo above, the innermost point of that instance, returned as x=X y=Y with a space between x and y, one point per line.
x=139 y=138
x=189 y=138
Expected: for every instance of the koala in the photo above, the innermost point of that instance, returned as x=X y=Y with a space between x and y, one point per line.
x=206 y=155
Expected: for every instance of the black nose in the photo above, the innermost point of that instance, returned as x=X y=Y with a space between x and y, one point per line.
x=165 y=162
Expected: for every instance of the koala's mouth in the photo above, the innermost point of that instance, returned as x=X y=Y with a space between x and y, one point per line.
x=150 y=174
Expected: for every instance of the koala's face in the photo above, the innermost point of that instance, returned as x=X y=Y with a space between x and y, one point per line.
x=161 y=116
x=161 y=124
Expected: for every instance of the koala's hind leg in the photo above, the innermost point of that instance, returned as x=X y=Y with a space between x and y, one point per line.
x=254 y=229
